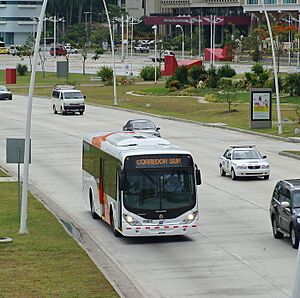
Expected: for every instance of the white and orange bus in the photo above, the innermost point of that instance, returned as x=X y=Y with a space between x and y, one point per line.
x=139 y=184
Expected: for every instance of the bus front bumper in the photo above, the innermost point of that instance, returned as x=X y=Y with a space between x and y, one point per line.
x=159 y=230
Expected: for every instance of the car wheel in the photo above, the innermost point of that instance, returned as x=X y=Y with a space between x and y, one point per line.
x=54 y=110
x=10 y=98
x=233 y=176
x=81 y=112
x=293 y=237
x=276 y=233
x=93 y=212
x=222 y=172
x=266 y=177
x=116 y=233
x=62 y=111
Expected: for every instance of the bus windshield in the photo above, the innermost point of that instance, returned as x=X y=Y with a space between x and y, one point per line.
x=153 y=190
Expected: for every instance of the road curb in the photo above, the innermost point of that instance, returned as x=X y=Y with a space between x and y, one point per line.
x=290 y=155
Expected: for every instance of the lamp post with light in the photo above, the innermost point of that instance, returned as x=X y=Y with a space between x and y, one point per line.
x=274 y=68
x=55 y=20
x=182 y=42
x=24 y=206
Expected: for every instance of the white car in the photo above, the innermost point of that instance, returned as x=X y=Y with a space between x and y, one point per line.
x=244 y=161
x=71 y=50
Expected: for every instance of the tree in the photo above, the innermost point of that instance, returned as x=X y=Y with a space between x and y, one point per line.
x=26 y=50
x=229 y=90
x=281 y=33
x=292 y=84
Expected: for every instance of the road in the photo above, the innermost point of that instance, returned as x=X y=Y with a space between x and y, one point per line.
x=233 y=254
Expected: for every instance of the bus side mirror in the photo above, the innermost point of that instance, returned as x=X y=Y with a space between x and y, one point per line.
x=198 y=177
x=122 y=181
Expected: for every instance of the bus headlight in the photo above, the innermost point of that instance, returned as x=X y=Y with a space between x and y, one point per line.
x=190 y=218
x=131 y=220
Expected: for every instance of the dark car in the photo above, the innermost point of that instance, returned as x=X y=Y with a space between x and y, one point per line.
x=5 y=93
x=143 y=126
x=285 y=210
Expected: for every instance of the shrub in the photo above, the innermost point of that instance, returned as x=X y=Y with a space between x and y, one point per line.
x=212 y=78
x=188 y=91
x=226 y=71
x=148 y=73
x=181 y=75
x=197 y=74
x=125 y=80
x=22 y=69
x=174 y=85
x=169 y=80
x=258 y=76
x=106 y=73
x=292 y=84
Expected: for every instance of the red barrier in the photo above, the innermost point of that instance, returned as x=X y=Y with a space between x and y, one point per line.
x=171 y=64
x=11 y=76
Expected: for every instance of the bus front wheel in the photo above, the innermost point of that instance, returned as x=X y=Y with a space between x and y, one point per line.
x=112 y=222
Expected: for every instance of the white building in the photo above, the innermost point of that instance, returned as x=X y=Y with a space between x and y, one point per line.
x=18 y=20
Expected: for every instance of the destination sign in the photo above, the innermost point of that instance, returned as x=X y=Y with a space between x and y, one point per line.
x=148 y=162
x=158 y=161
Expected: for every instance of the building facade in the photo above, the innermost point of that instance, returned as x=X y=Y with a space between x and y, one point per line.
x=241 y=15
x=18 y=20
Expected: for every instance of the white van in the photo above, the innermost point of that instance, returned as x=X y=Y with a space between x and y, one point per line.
x=67 y=100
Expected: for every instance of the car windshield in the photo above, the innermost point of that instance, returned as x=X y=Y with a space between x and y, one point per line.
x=296 y=199
x=143 y=125
x=73 y=95
x=3 y=88
x=246 y=154
x=156 y=189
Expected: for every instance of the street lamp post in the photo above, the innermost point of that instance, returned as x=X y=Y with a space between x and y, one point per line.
x=133 y=22
x=213 y=20
x=45 y=36
x=86 y=28
x=54 y=33
x=24 y=206
x=274 y=68
x=182 y=42
x=155 y=53
x=199 y=36
x=55 y=20
x=191 y=24
x=112 y=53
x=121 y=20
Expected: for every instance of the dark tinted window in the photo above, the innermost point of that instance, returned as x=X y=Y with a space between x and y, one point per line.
x=285 y=195
x=296 y=199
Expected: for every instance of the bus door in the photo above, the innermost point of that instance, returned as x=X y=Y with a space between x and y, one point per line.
x=101 y=187
x=119 y=199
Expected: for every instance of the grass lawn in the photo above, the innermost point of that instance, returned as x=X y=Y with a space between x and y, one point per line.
x=47 y=262
x=49 y=80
